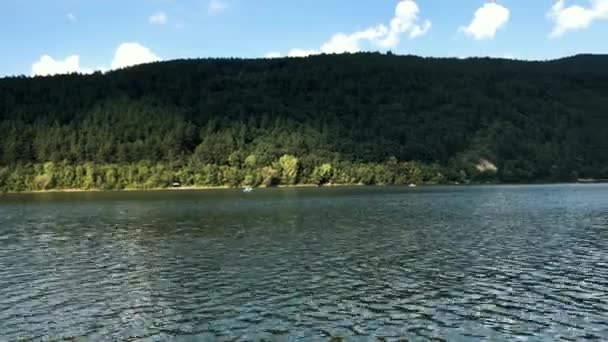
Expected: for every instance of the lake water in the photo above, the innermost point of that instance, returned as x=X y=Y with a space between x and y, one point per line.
x=455 y=263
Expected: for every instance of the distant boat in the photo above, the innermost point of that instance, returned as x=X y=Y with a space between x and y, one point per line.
x=413 y=185
x=248 y=189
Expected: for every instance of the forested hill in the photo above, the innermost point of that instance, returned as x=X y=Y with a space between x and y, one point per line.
x=365 y=118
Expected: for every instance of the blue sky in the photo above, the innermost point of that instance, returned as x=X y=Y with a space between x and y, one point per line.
x=83 y=35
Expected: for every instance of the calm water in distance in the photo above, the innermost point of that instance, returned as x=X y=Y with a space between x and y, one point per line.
x=455 y=263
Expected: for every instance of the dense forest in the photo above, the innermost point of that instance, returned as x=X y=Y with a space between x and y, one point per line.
x=366 y=118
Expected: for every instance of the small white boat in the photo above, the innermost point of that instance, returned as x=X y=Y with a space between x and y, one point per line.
x=413 y=185
x=248 y=189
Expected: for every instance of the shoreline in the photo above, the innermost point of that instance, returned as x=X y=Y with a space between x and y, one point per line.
x=206 y=188
x=183 y=188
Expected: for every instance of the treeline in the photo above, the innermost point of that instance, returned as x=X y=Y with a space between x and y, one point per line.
x=369 y=118
x=286 y=171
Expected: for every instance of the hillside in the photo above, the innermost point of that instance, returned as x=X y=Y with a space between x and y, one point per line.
x=365 y=118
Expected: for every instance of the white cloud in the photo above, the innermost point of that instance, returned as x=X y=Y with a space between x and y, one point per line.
x=302 y=53
x=71 y=17
x=405 y=21
x=127 y=54
x=488 y=19
x=341 y=42
x=575 y=17
x=216 y=6
x=159 y=18
x=273 y=55
x=46 y=66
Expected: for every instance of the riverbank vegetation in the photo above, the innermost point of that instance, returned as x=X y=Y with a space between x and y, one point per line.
x=363 y=118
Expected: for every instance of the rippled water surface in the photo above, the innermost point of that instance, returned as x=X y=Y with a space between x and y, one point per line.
x=455 y=263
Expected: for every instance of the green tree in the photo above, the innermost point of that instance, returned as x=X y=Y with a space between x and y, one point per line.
x=289 y=166
x=323 y=173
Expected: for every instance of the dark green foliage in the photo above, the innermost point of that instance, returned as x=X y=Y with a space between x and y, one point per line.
x=363 y=118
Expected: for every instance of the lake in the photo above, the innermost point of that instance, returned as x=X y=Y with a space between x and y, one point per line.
x=454 y=263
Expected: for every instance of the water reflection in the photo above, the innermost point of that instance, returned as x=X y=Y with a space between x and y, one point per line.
x=490 y=263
